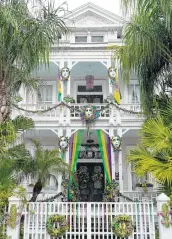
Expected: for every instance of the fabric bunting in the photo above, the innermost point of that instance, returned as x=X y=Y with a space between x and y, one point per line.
x=105 y=155
x=77 y=139
x=59 y=86
x=117 y=94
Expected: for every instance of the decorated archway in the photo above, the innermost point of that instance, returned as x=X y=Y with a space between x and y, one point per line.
x=90 y=165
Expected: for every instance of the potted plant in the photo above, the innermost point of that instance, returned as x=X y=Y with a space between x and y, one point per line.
x=144 y=187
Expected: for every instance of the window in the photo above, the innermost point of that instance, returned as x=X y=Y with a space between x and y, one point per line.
x=97 y=88
x=134 y=94
x=97 y=39
x=45 y=93
x=81 y=39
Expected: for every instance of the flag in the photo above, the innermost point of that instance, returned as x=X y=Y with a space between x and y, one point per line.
x=117 y=94
x=59 y=87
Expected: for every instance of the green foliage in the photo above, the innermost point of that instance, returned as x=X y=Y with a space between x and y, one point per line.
x=12 y=217
x=154 y=153
x=25 y=40
x=147 y=47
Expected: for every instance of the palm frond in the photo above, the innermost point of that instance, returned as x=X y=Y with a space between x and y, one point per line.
x=23 y=123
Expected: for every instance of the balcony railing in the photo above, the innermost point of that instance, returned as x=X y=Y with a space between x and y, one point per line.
x=35 y=110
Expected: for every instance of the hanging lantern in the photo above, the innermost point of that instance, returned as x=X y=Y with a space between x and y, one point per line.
x=89 y=82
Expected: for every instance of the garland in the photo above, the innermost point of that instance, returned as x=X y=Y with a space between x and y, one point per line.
x=61 y=230
x=122 y=226
x=61 y=104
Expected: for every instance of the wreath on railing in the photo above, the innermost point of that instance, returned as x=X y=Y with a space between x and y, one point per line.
x=62 y=225
x=122 y=226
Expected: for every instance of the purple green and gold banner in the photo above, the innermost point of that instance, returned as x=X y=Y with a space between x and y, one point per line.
x=104 y=145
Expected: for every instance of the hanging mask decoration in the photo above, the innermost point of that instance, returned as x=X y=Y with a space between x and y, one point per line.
x=63 y=143
x=65 y=73
x=112 y=73
x=89 y=114
x=116 y=142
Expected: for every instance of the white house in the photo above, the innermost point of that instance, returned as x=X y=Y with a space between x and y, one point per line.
x=85 y=51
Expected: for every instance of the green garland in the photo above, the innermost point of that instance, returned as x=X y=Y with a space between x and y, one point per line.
x=122 y=226
x=61 y=230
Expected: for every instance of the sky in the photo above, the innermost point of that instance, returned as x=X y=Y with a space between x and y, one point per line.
x=111 y=5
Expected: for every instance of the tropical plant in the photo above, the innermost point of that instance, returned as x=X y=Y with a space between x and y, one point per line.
x=147 y=49
x=41 y=166
x=154 y=153
x=25 y=41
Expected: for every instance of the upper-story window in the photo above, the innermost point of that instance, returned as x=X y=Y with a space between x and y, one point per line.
x=80 y=39
x=134 y=94
x=45 y=94
x=97 y=39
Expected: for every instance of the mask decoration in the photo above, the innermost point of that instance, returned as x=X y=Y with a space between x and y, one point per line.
x=116 y=142
x=89 y=113
x=63 y=143
x=112 y=73
x=65 y=73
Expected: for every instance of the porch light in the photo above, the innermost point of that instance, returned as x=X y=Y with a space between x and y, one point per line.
x=89 y=82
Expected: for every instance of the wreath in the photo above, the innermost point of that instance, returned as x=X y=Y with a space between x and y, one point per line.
x=89 y=113
x=62 y=228
x=97 y=176
x=122 y=226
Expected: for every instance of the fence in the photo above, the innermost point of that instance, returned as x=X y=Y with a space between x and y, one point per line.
x=91 y=220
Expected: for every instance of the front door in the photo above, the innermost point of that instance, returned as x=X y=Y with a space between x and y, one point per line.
x=91 y=181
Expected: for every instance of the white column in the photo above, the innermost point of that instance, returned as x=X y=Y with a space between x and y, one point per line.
x=69 y=81
x=14 y=233
x=110 y=85
x=68 y=134
x=164 y=232
x=111 y=133
x=121 y=183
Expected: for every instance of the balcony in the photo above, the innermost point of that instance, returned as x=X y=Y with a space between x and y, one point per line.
x=71 y=114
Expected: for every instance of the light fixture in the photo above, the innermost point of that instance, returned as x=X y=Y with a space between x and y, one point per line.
x=89 y=80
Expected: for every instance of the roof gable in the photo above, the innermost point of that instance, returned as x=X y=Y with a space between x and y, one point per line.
x=92 y=15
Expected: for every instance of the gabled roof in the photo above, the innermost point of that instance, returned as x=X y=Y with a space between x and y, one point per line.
x=92 y=15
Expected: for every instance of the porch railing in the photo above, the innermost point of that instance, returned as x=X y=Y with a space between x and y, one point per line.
x=89 y=220
x=73 y=113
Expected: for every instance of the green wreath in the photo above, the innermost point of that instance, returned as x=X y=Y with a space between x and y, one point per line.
x=62 y=228
x=122 y=226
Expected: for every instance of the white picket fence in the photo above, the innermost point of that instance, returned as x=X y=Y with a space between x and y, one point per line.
x=92 y=220
x=89 y=220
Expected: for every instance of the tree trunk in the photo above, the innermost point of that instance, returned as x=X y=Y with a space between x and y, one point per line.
x=36 y=191
x=4 y=101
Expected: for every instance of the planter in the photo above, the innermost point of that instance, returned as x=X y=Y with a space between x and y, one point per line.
x=144 y=187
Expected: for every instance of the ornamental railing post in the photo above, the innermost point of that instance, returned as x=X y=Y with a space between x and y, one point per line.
x=89 y=220
x=164 y=217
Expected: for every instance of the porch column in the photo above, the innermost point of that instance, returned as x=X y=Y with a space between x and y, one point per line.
x=111 y=134
x=110 y=85
x=69 y=81
x=68 y=134
x=60 y=133
x=121 y=183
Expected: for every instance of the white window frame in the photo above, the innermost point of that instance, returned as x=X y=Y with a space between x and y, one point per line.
x=54 y=90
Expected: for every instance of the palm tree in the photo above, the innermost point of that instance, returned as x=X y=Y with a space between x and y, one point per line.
x=25 y=41
x=40 y=167
x=154 y=153
x=147 y=49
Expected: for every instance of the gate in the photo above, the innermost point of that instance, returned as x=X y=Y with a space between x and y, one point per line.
x=89 y=220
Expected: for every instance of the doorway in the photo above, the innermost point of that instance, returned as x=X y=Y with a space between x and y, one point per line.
x=91 y=181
